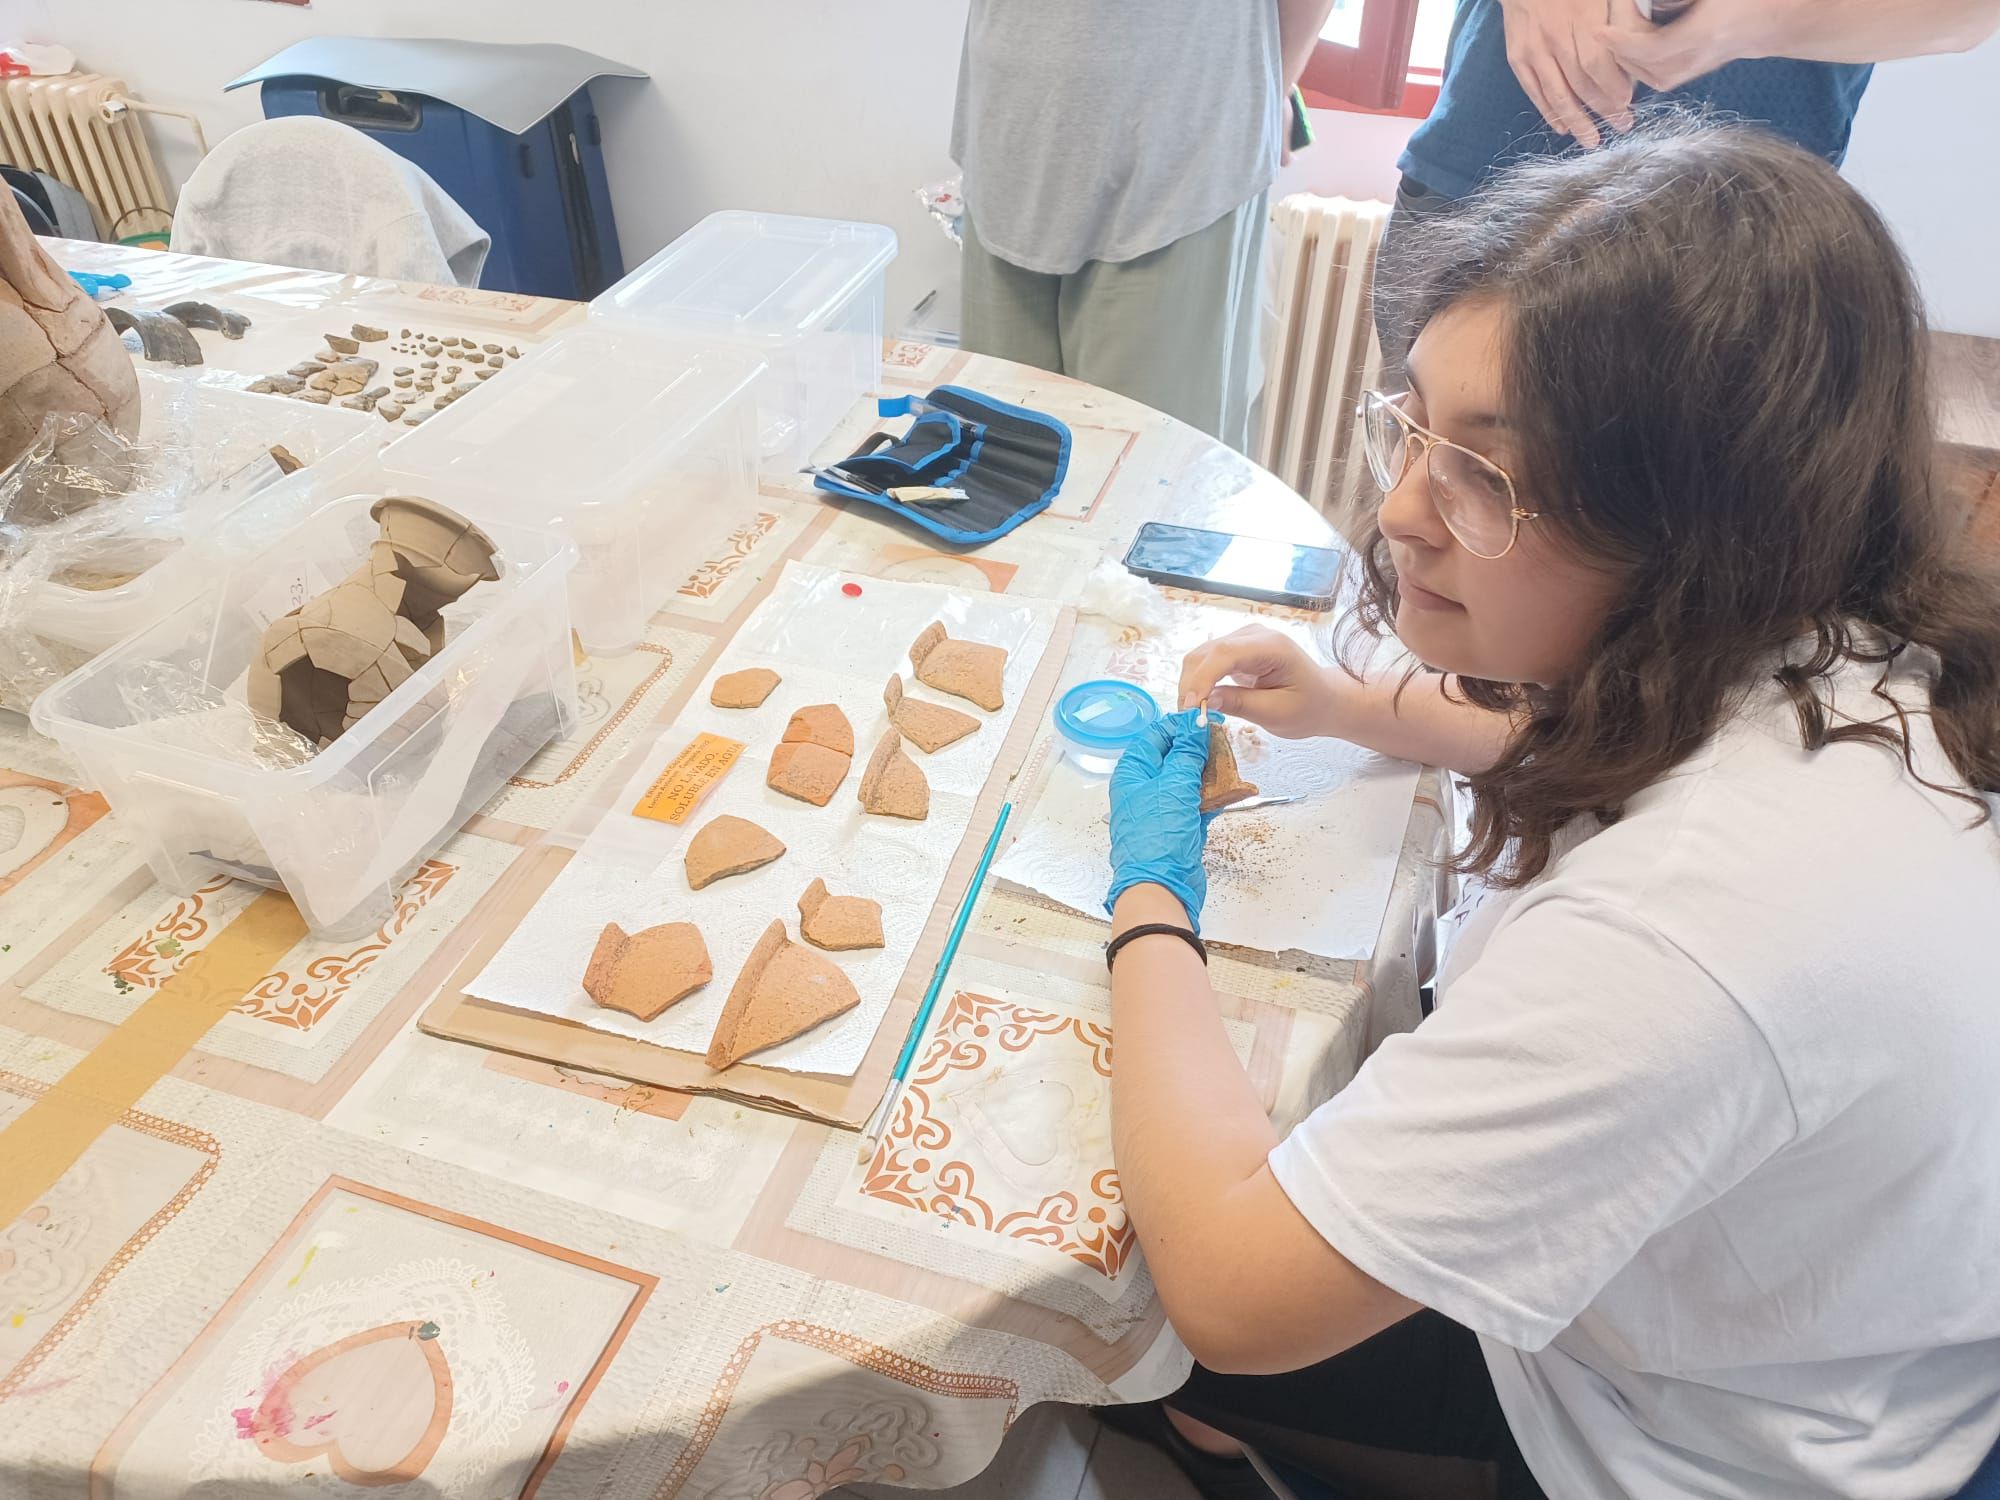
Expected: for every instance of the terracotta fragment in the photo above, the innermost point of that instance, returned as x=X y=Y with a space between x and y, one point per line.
x=745 y=689
x=728 y=845
x=1221 y=783
x=839 y=923
x=812 y=773
x=821 y=724
x=784 y=991
x=928 y=726
x=642 y=973
x=894 y=786
x=966 y=669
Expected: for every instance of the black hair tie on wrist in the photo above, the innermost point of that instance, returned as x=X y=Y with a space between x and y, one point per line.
x=1147 y=929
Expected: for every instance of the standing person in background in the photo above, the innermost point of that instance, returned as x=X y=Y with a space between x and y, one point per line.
x=1117 y=158
x=1531 y=77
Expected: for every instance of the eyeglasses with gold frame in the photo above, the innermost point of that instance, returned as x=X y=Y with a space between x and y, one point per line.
x=1475 y=497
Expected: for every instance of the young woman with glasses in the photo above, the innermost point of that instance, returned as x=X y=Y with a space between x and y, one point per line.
x=1690 y=1186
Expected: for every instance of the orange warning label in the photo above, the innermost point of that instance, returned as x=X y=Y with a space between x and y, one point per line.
x=687 y=778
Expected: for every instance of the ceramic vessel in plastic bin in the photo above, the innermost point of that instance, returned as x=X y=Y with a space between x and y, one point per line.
x=125 y=586
x=805 y=295
x=643 y=450
x=158 y=725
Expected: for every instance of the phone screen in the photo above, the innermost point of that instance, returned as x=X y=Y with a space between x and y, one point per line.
x=1244 y=567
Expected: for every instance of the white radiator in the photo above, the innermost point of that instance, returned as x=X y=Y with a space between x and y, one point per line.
x=79 y=127
x=1324 y=352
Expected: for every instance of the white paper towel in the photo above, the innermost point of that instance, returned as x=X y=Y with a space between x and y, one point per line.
x=1313 y=875
x=827 y=648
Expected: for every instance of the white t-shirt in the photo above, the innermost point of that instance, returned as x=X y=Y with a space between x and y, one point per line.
x=1703 y=1139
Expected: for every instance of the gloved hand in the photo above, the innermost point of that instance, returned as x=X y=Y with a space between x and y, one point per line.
x=1157 y=828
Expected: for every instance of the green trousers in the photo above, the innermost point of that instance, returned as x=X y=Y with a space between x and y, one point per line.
x=1176 y=329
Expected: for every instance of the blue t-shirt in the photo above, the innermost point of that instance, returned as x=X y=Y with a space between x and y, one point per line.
x=1483 y=119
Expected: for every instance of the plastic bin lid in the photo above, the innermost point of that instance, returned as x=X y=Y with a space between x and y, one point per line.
x=579 y=423
x=1106 y=714
x=752 y=276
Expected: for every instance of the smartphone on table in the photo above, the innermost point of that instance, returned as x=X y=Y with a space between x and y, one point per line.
x=1243 y=567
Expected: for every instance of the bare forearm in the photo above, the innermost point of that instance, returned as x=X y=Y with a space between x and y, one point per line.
x=1248 y=1285
x=1415 y=721
x=1299 y=23
x=1864 y=31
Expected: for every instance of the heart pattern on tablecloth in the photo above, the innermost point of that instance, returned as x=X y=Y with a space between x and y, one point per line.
x=376 y=1404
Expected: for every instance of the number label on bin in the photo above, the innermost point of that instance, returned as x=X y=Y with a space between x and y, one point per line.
x=687 y=778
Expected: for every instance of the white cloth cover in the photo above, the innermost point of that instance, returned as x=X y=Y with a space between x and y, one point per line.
x=320 y=195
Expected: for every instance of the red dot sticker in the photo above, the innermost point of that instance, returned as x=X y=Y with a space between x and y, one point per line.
x=852 y=590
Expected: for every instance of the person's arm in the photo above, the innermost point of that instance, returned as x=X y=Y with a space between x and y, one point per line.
x=1715 y=32
x=1267 y=678
x=1248 y=1284
x=1299 y=26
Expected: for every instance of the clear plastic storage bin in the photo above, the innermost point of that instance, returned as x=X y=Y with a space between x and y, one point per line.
x=805 y=294
x=236 y=426
x=158 y=724
x=641 y=449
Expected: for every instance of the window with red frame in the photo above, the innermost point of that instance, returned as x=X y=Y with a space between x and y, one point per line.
x=1380 y=56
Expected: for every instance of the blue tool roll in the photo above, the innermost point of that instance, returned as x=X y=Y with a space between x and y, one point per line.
x=1009 y=461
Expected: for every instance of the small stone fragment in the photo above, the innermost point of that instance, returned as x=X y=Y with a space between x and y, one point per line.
x=342 y=345
x=513 y=351
x=486 y=374
x=494 y=362
x=287 y=461
x=318 y=398
x=490 y=348
x=367 y=335
x=433 y=349
x=278 y=385
x=402 y=370
x=389 y=411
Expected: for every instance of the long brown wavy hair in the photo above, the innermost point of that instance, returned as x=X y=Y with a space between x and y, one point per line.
x=1717 y=372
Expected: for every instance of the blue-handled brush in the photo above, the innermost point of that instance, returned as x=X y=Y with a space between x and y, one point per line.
x=879 y=1121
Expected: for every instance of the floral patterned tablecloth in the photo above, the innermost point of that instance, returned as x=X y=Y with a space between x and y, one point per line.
x=327 y=1252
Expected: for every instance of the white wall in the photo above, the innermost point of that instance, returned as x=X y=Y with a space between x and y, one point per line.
x=843 y=108
x=1927 y=150
x=839 y=108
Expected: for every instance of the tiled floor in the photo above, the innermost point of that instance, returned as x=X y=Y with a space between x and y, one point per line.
x=1061 y=1453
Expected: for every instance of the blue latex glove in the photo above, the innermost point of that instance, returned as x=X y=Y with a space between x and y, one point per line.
x=1157 y=829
